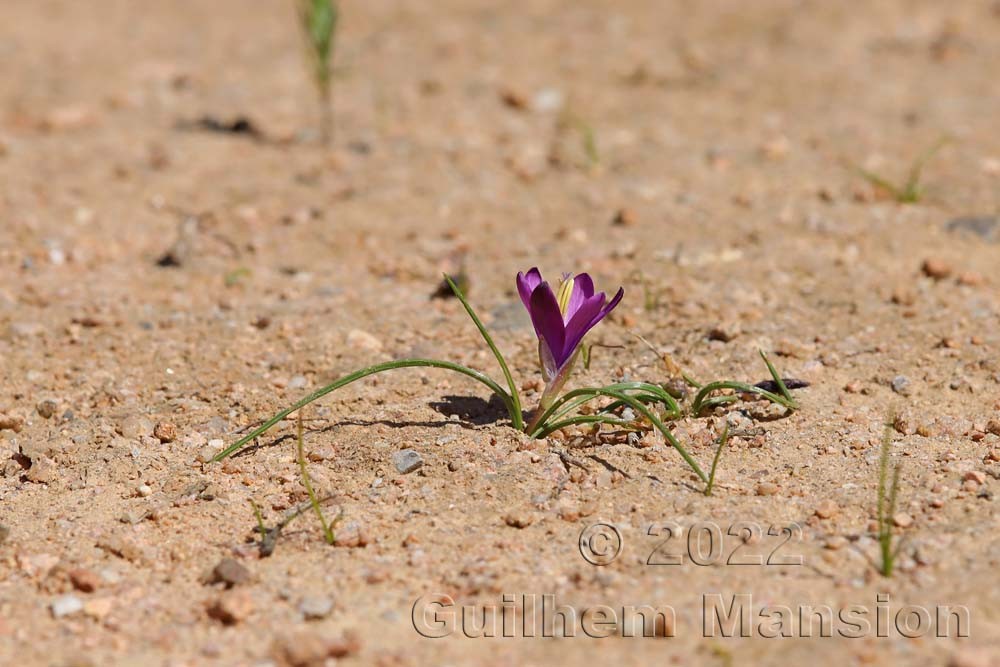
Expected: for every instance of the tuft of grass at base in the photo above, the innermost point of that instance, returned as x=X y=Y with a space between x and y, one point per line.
x=909 y=191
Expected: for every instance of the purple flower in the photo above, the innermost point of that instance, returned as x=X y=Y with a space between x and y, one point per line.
x=562 y=318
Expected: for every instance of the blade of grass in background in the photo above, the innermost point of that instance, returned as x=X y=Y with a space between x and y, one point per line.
x=319 y=20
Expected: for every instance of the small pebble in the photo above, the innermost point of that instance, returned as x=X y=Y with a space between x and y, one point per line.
x=43 y=470
x=902 y=520
x=11 y=423
x=46 y=408
x=314 y=607
x=351 y=535
x=827 y=509
x=66 y=605
x=135 y=427
x=312 y=649
x=514 y=98
x=625 y=217
x=518 y=519
x=767 y=489
x=975 y=476
x=970 y=279
x=903 y=296
x=165 y=432
x=98 y=608
x=321 y=453
x=406 y=461
x=725 y=331
x=85 y=581
x=835 y=542
x=568 y=511
x=903 y=425
x=231 y=607
x=547 y=99
x=936 y=268
x=901 y=385
x=208 y=452
x=229 y=572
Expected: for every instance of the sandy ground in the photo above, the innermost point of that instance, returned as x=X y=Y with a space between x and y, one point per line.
x=725 y=140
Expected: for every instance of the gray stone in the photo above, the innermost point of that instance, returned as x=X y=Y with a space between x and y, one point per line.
x=406 y=461
x=985 y=227
x=901 y=385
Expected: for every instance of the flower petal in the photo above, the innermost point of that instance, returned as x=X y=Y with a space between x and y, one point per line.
x=526 y=284
x=546 y=361
x=583 y=321
x=583 y=288
x=547 y=320
x=611 y=306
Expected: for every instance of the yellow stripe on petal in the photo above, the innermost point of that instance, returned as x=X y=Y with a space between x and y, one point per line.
x=565 y=292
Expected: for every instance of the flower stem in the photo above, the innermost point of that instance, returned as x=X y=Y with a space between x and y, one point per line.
x=515 y=399
x=515 y=413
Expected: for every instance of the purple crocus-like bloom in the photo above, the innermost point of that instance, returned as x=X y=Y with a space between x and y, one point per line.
x=562 y=318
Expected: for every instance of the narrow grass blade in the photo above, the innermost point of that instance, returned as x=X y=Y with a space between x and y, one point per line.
x=715 y=460
x=552 y=427
x=911 y=189
x=778 y=381
x=516 y=416
x=637 y=406
x=365 y=372
x=307 y=482
x=563 y=404
x=700 y=398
